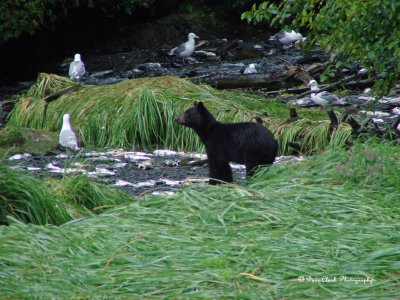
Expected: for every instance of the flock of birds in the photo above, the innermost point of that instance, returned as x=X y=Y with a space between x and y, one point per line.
x=69 y=139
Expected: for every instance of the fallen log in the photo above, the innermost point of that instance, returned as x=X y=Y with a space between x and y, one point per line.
x=287 y=91
x=58 y=94
x=224 y=50
x=259 y=80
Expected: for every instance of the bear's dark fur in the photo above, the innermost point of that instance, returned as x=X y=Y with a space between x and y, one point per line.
x=246 y=143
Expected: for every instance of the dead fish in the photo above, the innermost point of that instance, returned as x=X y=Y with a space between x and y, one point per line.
x=171 y=163
x=146 y=165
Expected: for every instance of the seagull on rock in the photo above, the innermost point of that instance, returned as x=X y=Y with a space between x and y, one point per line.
x=68 y=137
x=250 y=69
x=323 y=98
x=287 y=38
x=77 y=68
x=185 y=49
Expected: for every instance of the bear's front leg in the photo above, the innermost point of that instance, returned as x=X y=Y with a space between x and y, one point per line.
x=250 y=168
x=219 y=171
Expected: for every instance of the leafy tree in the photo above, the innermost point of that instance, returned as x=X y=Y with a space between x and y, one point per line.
x=367 y=31
x=19 y=16
x=28 y=16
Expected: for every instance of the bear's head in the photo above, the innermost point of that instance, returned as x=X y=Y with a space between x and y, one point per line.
x=196 y=117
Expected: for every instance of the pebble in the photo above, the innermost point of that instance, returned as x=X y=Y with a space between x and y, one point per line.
x=171 y=182
x=134 y=158
x=163 y=193
x=378 y=121
x=149 y=183
x=396 y=111
x=19 y=156
x=121 y=182
x=119 y=165
x=33 y=169
x=171 y=163
x=146 y=165
x=164 y=152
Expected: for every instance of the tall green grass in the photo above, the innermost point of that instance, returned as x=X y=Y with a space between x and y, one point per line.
x=49 y=201
x=79 y=190
x=141 y=113
x=25 y=198
x=313 y=136
x=332 y=215
x=133 y=113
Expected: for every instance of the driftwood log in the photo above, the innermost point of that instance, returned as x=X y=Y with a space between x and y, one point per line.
x=272 y=79
x=222 y=52
x=58 y=94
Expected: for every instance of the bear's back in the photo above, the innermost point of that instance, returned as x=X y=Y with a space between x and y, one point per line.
x=241 y=142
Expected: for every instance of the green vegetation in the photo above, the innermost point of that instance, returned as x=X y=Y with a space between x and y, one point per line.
x=82 y=192
x=25 y=198
x=18 y=17
x=11 y=137
x=332 y=215
x=19 y=140
x=312 y=136
x=141 y=113
x=29 y=16
x=50 y=201
x=365 y=31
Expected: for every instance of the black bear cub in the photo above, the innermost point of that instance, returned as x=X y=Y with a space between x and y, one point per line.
x=245 y=143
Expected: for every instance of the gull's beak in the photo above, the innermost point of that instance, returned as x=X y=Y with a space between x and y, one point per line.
x=196 y=37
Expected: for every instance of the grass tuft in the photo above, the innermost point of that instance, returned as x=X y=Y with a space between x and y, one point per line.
x=313 y=136
x=11 y=137
x=19 y=140
x=50 y=201
x=79 y=190
x=25 y=198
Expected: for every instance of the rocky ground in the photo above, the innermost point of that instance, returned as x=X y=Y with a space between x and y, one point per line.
x=139 y=173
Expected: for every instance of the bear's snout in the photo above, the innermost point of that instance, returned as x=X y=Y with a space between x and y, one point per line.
x=180 y=119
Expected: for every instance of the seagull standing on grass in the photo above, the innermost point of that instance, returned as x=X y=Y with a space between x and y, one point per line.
x=185 y=49
x=323 y=98
x=68 y=137
x=250 y=69
x=77 y=68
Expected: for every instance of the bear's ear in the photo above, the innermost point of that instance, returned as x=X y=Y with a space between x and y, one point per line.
x=200 y=105
x=195 y=103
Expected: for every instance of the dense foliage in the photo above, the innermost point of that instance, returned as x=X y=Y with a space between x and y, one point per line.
x=366 y=31
x=18 y=17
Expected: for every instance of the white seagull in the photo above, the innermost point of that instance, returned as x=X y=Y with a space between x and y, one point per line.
x=250 y=69
x=68 y=137
x=76 y=68
x=185 y=49
x=287 y=38
x=323 y=98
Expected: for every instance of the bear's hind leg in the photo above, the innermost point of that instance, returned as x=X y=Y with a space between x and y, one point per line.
x=219 y=171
